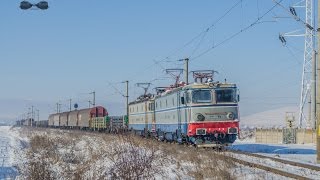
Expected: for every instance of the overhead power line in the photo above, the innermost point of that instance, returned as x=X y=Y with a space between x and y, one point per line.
x=201 y=35
x=257 y=21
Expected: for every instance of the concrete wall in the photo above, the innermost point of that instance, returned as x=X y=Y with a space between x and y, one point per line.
x=275 y=136
x=270 y=136
x=306 y=136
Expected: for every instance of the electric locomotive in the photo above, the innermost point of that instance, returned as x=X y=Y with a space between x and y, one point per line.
x=204 y=113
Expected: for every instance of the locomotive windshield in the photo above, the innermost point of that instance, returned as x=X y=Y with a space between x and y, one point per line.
x=201 y=96
x=226 y=95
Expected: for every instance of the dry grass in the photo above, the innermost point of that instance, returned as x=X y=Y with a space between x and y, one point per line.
x=63 y=154
x=39 y=169
x=133 y=158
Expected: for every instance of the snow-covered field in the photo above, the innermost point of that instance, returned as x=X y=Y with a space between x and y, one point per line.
x=8 y=145
x=299 y=153
x=64 y=154
x=305 y=153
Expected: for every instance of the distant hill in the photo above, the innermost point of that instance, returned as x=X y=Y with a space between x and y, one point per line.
x=269 y=119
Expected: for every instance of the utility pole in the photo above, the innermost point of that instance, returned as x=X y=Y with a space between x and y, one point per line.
x=28 y=114
x=127 y=96
x=309 y=47
x=94 y=98
x=313 y=91
x=70 y=104
x=186 y=70
x=318 y=96
x=38 y=117
x=58 y=107
x=32 y=115
x=307 y=65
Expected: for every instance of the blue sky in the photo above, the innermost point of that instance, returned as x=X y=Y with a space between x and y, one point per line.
x=76 y=47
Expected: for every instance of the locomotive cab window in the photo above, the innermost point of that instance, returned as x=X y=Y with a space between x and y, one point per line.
x=201 y=96
x=226 y=95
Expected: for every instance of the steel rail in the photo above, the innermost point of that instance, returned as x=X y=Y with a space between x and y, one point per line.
x=293 y=163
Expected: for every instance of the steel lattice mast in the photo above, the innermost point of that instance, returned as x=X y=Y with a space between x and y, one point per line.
x=307 y=65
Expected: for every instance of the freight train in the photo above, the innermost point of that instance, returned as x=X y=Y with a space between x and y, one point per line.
x=203 y=114
x=95 y=118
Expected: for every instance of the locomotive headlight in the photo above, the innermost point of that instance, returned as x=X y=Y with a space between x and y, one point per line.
x=230 y=115
x=200 y=117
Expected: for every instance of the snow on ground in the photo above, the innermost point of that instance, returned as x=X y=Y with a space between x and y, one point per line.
x=91 y=155
x=9 y=145
x=312 y=174
x=247 y=173
x=304 y=153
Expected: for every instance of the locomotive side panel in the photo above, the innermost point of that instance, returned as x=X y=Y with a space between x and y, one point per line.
x=170 y=114
x=150 y=115
x=137 y=116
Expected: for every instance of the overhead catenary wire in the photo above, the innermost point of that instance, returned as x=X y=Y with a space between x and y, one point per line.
x=293 y=55
x=199 y=43
x=117 y=90
x=257 y=21
x=200 y=35
x=228 y=11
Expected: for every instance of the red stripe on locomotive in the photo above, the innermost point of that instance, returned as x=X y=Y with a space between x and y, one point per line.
x=212 y=127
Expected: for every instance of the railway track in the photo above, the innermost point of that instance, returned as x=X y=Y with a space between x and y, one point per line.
x=293 y=163
x=280 y=167
x=269 y=169
x=301 y=170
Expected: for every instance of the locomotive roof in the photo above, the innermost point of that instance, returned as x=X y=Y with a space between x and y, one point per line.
x=186 y=87
x=141 y=100
x=209 y=85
